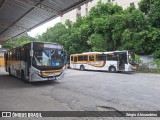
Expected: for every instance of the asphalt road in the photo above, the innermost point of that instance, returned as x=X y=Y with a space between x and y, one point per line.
x=83 y=90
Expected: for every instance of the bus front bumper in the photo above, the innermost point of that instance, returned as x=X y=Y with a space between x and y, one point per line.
x=35 y=77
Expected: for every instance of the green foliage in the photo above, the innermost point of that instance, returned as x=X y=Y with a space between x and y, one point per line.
x=157 y=62
x=54 y=34
x=152 y=9
x=157 y=53
x=145 y=5
x=154 y=15
x=98 y=42
x=108 y=27
x=103 y=9
x=21 y=40
x=138 y=60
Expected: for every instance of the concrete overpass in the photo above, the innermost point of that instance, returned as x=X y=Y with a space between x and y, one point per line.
x=19 y=16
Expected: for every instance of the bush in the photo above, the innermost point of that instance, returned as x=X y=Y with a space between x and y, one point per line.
x=138 y=60
x=157 y=62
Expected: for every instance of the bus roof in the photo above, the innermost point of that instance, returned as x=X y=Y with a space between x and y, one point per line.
x=109 y=52
x=117 y=51
x=92 y=53
x=44 y=42
x=85 y=53
x=34 y=42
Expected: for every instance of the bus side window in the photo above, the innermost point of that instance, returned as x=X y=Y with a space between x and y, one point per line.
x=22 y=54
x=91 y=58
x=75 y=59
x=80 y=58
x=26 y=54
x=71 y=58
x=6 y=56
x=13 y=55
x=9 y=56
x=100 y=57
x=111 y=57
x=85 y=58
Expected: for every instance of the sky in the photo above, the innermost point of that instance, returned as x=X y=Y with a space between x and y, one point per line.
x=41 y=29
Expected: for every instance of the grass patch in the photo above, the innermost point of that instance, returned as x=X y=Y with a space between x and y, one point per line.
x=147 y=70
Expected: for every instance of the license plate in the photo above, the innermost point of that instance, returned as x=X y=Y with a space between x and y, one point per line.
x=52 y=78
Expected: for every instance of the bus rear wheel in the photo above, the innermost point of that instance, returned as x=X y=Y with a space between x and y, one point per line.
x=82 y=67
x=112 y=69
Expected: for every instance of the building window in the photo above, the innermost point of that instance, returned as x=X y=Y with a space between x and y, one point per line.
x=78 y=12
x=132 y=4
x=109 y=0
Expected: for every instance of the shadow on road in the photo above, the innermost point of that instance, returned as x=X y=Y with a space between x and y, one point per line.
x=45 y=83
x=107 y=72
x=9 y=82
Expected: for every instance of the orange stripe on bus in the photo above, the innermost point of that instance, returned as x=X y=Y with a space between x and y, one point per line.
x=50 y=72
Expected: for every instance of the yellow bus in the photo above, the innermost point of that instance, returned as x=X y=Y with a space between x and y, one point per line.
x=112 y=61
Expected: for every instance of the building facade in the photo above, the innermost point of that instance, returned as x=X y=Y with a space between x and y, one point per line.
x=84 y=9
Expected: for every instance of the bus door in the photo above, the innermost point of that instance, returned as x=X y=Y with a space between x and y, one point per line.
x=27 y=61
x=74 y=61
x=121 y=60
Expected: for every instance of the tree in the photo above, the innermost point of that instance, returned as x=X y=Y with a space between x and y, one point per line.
x=108 y=27
x=18 y=41
x=151 y=8
x=145 y=6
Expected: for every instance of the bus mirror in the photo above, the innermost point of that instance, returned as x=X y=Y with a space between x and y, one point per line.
x=31 y=53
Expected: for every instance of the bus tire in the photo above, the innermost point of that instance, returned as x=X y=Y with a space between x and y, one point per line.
x=112 y=69
x=82 y=67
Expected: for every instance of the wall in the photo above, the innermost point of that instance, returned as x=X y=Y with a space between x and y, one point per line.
x=147 y=61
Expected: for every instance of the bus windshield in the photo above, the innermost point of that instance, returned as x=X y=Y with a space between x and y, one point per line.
x=48 y=57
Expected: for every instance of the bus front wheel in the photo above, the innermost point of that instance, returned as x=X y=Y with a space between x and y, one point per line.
x=112 y=69
x=23 y=77
x=82 y=67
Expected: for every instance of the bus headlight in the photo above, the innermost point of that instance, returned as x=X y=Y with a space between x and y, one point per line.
x=133 y=67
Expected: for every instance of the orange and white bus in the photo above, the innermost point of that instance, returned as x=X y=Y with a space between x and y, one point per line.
x=106 y=61
x=36 y=61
